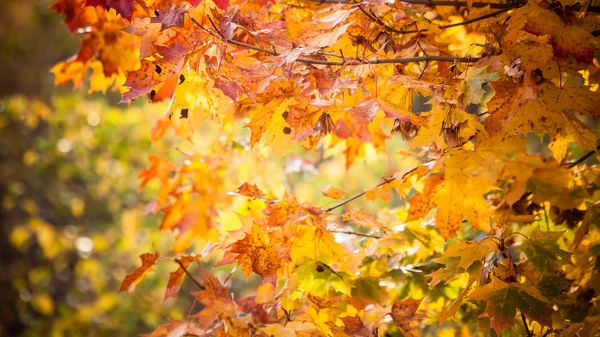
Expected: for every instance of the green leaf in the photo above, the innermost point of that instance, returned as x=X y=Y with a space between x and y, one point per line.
x=503 y=300
x=542 y=249
x=459 y=257
x=367 y=288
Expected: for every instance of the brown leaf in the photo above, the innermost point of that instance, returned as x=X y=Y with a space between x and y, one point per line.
x=354 y=326
x=404 y=313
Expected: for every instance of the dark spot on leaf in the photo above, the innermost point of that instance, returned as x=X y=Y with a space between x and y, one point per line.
x=284 y=115
x=320 y=269
x=287 y=130
x=156 y=12
x=537 y=76
x=158 y=69
x=152 y=94
x=184 y=113
x=181 y=78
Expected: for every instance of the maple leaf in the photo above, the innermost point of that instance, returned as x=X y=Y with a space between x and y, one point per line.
x=176 y=277
x=74 y=12
x=150 y=74
x=459 y=257
x=404 y=313
x=170 y=17
x=250 y=191
x=217 y=303
x=421 y=203
x=567 y=39
x=131 y=280
x=123 y=7
x=503 y=299
x=549 y=113
x=223 y=4
x=454 y=306
x=255 y=253
x=332 y=192
x=542 y=249
x=160 y=168
x=177 y=328
x=475 y=80
x=354 y=326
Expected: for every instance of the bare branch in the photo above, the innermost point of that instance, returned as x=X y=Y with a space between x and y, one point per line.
x=377 y=20
x=355 y=233
x=466 y=22
x=582 y=159
x=356 y=196
x=346 y=61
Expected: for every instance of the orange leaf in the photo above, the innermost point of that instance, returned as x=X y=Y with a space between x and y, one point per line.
x=129 y=283
x=332 y=192
x=250 y=191
x=176 y=277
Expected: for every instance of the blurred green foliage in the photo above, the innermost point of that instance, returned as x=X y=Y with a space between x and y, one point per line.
x=73 y=222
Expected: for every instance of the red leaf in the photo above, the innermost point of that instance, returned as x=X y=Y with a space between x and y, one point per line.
x=223 y=4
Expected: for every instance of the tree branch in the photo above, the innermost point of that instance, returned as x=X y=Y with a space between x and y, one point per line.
x=525 y=324
x=458 y=4
x=190 y=275
x=466 y=22
x=345 y=60
x=434 y=3
x=583 y=158
x=356 y=196
x=355 y=233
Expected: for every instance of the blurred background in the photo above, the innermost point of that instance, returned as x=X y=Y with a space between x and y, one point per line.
x=72 y=221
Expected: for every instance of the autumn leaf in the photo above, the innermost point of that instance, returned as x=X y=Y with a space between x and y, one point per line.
x=217 y=303
x=354 y=326
x=255 y=253
x=176 y=277
x=178 y=329
x=459 y=257
x=131 y=280
x=454 y=306
x=543 y=251
x=503 y=300
x=332 y=192
x=404 y=314
x=250 y=191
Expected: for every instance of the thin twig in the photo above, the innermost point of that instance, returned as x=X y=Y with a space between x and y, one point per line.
x=355 y=233
x=432 y=3
x=346 y=62
x=380 y=22
x=190 y=275
x=466 y=22
x=582 y=159
x=356 y=196
x=525 y=324
x=215 y=28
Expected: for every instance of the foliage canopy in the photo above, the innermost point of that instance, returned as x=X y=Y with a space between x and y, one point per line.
x=488 y=218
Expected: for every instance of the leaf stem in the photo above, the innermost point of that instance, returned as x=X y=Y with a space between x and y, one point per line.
x=190 y=275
